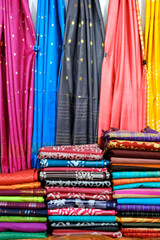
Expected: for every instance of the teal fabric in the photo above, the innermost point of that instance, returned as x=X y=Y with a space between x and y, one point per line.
x=82 y=218
x=138 y=185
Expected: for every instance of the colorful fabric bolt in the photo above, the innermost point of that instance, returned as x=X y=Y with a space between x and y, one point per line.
x=100 y=191
x=119 y=175
x=23 y=227
x=22 y=205
x=138 y=207
x=82 y=219
x=68 y=183
x=22 y=212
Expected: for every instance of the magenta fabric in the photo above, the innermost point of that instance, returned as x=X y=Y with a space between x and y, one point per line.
x=81 y=211
x=52 y=169
x=16 y=84
x=142 y=191
x=22 y=227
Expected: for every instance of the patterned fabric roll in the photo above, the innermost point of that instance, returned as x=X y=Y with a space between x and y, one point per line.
x=22 y=212
x=73 y=163
x=100 y=191
x=138 y=185
x=23 y=227
x=59 y=195
x=112 y=227
x=58 y=232
x=24 y=192
x=91 y=176
x=133 y=145
x=138 y=208
x=68 y=183
x=65 y=203
x=22 y=219
x=22 y=205
x=120 y=175
x=80 y=211
x=130 y=136
x=82 y=219
x=77 y=152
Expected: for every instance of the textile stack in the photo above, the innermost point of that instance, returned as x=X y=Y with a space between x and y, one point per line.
x=23 y=213
x=79 y=193
x=135 y=170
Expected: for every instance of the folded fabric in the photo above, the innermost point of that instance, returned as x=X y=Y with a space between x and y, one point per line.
x=21 y=199
x=129 y=167
x=139 y=214
x=134 y=180
x=82 y=219
x=29 y=185
x=79 y=190
x=81 y=211
x=73 y=163
x=21 y=235
x=132 y=154
x=78 y=152
x=23 y=192
x=59 y=195
x=127 y=135
x=133 y=145
x=139 y=161
x=149 y=191
x=22 y=219
x=132 y=219
x=143 y=201
x=142 y=235
x=26 y=176
x=118 y=196
x=140 y=224
x=120 y=175
x=138 y=230
x=73 y=231
x=73 y=169
x=65 y=203
x=23 y=227
x=112 y=227
x=93 y=176
x=137 y=208
x=137 y=185
x=22 y=212
x=23 y=205
x=68 y=183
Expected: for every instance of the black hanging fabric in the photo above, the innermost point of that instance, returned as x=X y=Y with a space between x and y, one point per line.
x=79 y=89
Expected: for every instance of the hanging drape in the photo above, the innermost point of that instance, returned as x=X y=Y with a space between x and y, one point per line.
x=16 y=84
x=152 y=52
x=78 y=98
x=50 y=32
x=122 y=99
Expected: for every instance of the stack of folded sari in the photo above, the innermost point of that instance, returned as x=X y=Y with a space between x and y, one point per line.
x=135 y=167
x=79 y=193
x=23 y=212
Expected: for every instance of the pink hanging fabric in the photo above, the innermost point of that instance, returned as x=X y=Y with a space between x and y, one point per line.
x=122 y=98
x=16 y=84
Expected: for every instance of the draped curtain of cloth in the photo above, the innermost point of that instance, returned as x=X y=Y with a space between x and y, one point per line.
x=50 y=33
x=16 y=84
x=152 y=52
x=122 y=99
x=78 y=98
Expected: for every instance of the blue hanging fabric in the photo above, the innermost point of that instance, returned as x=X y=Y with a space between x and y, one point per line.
x=50 y=34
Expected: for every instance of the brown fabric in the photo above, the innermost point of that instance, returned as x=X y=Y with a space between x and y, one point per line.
x=133 y=154
x=116 y=160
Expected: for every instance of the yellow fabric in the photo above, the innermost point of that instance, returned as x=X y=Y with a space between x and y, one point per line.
x=152 y=53
x=134 y=219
